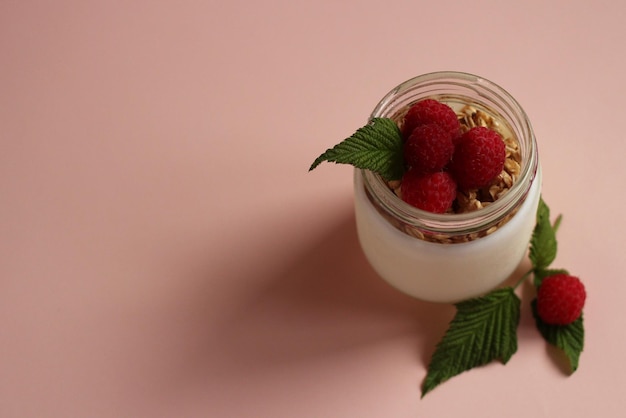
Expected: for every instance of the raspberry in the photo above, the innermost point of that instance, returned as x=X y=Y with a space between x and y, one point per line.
x=560 y=299
x=478 y=158
x=428 y=148
x=429 y=111
x=433 y=192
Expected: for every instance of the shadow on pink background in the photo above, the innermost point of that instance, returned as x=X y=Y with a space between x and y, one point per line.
x=324 y=301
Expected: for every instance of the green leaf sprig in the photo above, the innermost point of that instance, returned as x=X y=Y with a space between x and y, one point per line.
x=484 y=328
x=376 y=146
x=543 y=247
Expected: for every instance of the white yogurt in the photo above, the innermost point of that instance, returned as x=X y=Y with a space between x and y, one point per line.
x=443 y=272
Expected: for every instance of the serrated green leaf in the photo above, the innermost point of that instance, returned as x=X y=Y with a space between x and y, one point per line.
x=376 y=146
x=541 y=274
x=569 y=338
x=483 y=329
x=543 y=245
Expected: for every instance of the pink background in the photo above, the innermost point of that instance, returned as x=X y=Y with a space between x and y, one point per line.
x=165 y=253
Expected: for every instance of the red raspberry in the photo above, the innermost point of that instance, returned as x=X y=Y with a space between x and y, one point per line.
x=433 y=192
x=478 y=158
x=560 y=299
x=429 y=111
x=428 y=149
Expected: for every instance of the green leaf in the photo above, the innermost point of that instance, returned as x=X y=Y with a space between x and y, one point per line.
x=376 y=146
x=569 y=338
x=483 y=329
x=543 y=244
x=541 y=274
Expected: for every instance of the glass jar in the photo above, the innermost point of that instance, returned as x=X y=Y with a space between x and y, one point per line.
x=453 y=256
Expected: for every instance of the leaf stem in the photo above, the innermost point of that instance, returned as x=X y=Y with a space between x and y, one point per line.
x=523 y=278
x=557 y=223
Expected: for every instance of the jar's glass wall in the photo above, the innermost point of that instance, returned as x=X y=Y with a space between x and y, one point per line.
x=427 y=255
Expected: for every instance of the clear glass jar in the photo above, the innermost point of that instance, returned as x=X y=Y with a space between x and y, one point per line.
x=450 y=257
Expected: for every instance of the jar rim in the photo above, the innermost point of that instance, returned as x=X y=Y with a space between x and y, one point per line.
x=480 y=219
